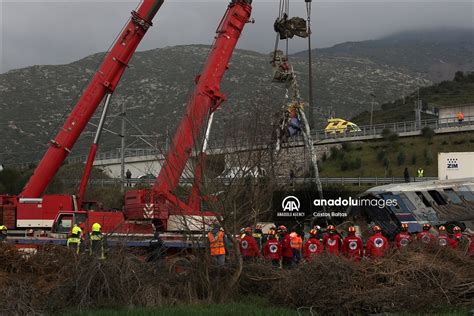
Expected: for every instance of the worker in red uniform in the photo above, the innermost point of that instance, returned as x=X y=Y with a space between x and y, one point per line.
x=377 y=244
x=425 y=236
x=331 y=240
x=352 y=245
x=248 y=246
x=457 y=235
x=312 y=246
x=470 y=250
x=272 y=249
x=403 y=238
x=443 y=238
x=286 y=250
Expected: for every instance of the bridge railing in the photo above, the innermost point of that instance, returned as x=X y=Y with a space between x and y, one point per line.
x=280 y=180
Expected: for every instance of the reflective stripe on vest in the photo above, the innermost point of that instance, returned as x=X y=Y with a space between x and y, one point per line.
x=296 y=242
x=216 y=244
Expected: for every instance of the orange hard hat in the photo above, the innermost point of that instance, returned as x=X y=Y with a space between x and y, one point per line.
x=258 y=226
x=404 y=226
x=426 y=226
x=331 y=227
x=351 y=229
x=441 y=228
x=456 y=229
x=313 y=232
x=376 y=228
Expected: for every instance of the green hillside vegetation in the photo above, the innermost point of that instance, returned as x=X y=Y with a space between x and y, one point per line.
x=390 y=156
x=458 y=91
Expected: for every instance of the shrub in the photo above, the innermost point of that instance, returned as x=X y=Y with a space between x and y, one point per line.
x=347 y=146
x=427 y=133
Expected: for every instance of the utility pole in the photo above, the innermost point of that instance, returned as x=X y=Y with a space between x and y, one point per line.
x=122 y=148
x=372 y=108
x=310 y=70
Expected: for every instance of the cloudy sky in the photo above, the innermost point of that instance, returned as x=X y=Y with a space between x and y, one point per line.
x=61 y=31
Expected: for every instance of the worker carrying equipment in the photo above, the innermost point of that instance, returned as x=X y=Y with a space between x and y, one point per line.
x=403 y=238
x=312 y=246
x=288 y=28
x=3 y=233
x=352 y=245
x=97 y=242
x=248 y=246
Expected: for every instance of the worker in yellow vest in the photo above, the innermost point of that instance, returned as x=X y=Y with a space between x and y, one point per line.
x=216 y=239
x=420 y=173
x=3 y=233
x=74 y=240
x=97 y=242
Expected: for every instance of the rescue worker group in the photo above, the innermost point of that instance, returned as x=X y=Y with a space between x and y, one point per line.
x=95 y=239
x=285 y=249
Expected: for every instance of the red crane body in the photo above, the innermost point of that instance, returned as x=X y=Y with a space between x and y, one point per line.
x=33 y=210
x=160 y=203
x=104 y=81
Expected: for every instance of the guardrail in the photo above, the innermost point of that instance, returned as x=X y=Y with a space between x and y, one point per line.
x=280 y=181
x=264 y=140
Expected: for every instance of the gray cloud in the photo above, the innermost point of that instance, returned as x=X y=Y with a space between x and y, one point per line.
x=56 y=32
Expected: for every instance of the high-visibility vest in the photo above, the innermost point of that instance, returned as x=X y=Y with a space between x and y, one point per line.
x=216 y=243
x=296 y=242
x=96 y=246
x=421 y=173
x=76 y=241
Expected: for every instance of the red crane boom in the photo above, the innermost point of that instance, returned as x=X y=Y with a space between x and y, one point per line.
x=105 y=81
x=161 y=204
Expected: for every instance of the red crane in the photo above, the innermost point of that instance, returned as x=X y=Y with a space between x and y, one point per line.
x=104 y=82
x=160 y=203
x=31 y=208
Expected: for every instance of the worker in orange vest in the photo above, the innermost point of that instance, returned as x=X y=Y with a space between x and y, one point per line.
x=217 y=244
x=352 y=245
x=312 y=246
x=296 y=246
x=460 y=117
x=377 y=244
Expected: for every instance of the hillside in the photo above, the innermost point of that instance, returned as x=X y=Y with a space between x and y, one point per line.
x=35 y=100
x=437 y=54
x=460 y=90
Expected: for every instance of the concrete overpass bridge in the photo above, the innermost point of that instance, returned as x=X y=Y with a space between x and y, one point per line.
x=148 y=161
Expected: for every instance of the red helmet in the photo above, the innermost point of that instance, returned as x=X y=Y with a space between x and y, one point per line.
x=248 y=230
x=456 y=229
x=426 y=226
x=282 y=228
x=331 y=228
x=258 y=226
x=442 y=228
x=376 y=229
x=404 y=227
x=351 y=229
x=313 y=232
